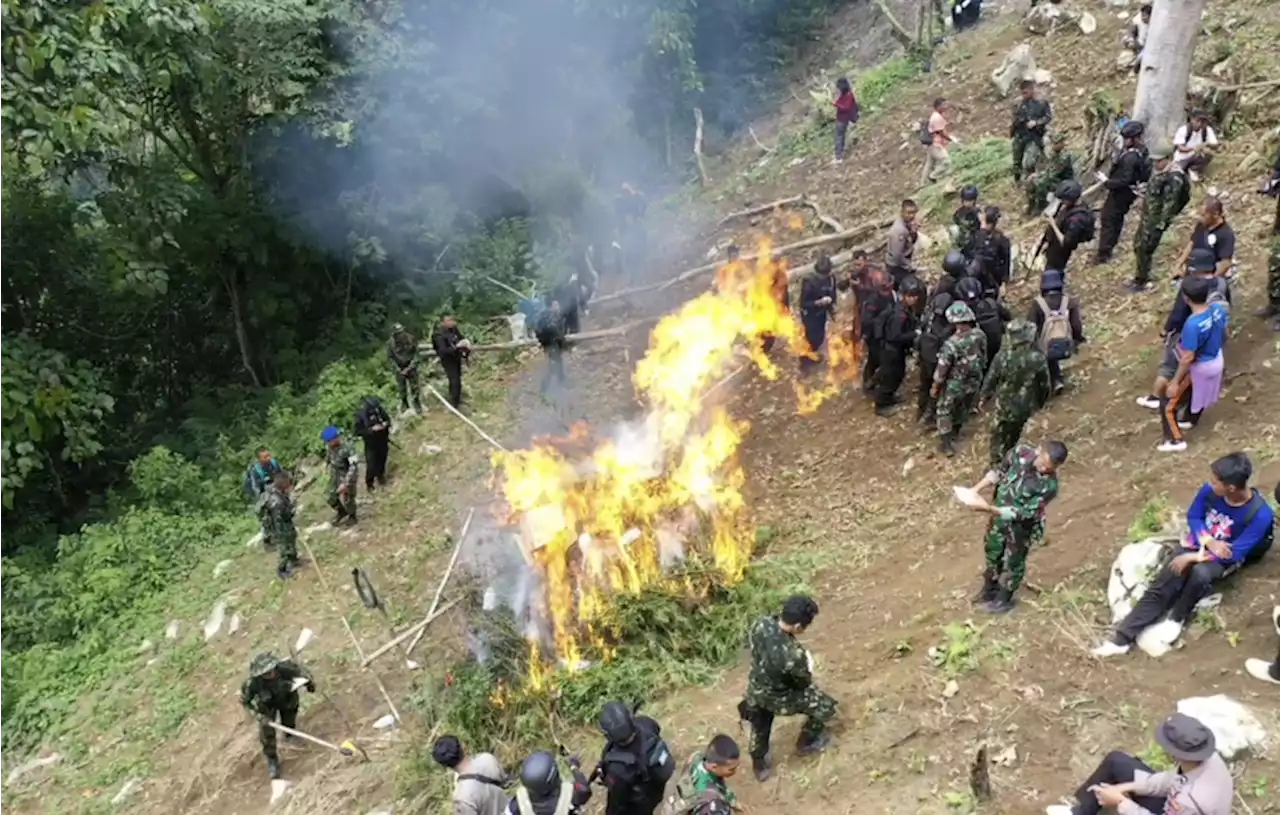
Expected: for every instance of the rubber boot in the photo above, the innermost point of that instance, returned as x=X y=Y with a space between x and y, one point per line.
x=947 y=446
x=762 y=767
x=990 y=586
x=1003 y=603
x=273 y=767
x=808 y=745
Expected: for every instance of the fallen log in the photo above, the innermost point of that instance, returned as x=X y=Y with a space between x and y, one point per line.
x=760 y=210
x=855 y=233
x=827 y=220
x=584 y=336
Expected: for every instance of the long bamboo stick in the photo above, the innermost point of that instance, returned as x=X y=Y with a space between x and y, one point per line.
x=472 y=424
x=406 y=634
x=453 y=560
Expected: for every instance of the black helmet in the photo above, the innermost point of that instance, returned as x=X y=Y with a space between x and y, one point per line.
x=617 y=724
x=940 y=302
x=540 y=775
x=968 y=289
x=1133 y=130
x=969 y=193
x=1069 y=191
x=910 y=285
x=954 y=263
x=1051 y=280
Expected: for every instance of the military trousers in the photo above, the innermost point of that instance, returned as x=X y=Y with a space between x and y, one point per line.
x=287 y=547
x=1145 y=244
x=288 y=716
x=1026 y=151
x=1006 y=429
x=407 y=384
x=893 y=369
x=955 y=403
x=1111 y=223
x=811 y=702
x=344 y=505
x=1006 y=545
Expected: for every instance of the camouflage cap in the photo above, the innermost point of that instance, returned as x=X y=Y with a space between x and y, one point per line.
x=263 y=664
x=396 y=328
x=960 y=313
x=1023 y=331
x=1058 y=137
x=1162 y=149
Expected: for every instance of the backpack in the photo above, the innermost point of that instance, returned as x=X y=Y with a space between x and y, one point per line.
x=1084 y=216
x=925 y=136
x=990 y=323
x=1256 y=503
x=1056 y=340
x=256 y=479
x=660 y=764
x=1221 y=293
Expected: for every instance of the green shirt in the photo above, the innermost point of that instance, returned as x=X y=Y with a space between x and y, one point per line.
x=702 y=780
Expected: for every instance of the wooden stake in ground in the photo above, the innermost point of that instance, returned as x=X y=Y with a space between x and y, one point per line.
x=472 y=424
x=453 y=560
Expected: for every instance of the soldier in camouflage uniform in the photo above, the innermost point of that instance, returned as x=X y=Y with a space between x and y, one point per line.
x=276 y=510
x=1059 y=166
x=402 y=353
x=967 y=222
x=1031 y=120
x=269 y=693
x=1019 y=379
x=344 y=474
x=780 y=683
x=1168 y=192
x=1025 y=481
x=958 y=378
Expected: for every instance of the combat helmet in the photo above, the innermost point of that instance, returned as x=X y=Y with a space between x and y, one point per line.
x=1162 y=149
x=1133 y=130
x=968 y=289
x=953 y=263
x=911 y=285
x=263 y=664
x=1069 y=190
x=540 y=775
x=960 y=313
x=969 y=192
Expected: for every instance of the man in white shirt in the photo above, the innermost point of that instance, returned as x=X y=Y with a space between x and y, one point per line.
x=1194 y=144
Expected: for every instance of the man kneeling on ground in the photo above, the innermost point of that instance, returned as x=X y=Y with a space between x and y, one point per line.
x=1200 y=783
x=1230 y=527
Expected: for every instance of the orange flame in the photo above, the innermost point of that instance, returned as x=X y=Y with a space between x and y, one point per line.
x=612 y=519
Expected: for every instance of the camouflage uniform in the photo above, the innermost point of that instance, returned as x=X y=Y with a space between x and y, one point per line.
x=1061 y=167
x=344 y=469
x=257 y=480
x=1027 y=145
x=959 y=373
x=780 y=684
x=1019 y=378
x=269 y=697
x=1167 y=193
x=967 y=226
x=1025 y=490
x=402 y=353
x=276 y=511
x=1273 y=279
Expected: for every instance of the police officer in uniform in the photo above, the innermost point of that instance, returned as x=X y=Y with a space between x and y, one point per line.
x=636 y=763
x=1130 y=169
x=541 y=791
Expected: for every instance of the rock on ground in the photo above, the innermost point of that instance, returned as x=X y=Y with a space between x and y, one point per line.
x=222 y=566
x=1235 y=729
x=33 y=765
x=128 y=789
x=1018 y=64
x=171 y=630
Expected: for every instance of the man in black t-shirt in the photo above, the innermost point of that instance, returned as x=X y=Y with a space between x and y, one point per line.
x=1213 y=233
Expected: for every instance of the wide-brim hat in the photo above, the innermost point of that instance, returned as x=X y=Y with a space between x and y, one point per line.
x=1185 y=738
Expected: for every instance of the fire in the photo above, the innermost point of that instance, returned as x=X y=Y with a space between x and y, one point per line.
x=607 y=515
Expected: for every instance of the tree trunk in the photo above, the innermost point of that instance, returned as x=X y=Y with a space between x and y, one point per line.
x=235 y=284
x=1166 y=66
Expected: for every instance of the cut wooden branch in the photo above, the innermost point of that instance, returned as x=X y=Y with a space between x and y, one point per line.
x=1248 y=86
x=465 y=419
x=584 y=336
x=756 y=139
x=895 y=28
x=760 y=210
x=406 y=634
x=853 y=234
x=453 y=560
x=697 y=146
x=827 y=220
x=289 y=731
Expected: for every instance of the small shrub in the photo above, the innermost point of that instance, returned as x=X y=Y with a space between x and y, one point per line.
x=1151 y=518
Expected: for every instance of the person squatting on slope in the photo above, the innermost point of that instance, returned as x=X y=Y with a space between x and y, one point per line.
x=1026 y=481
x=1057 y=166
x=269 y=694
x=780 y=683
x=958 y=377
x=1230 y=526
x=1019 y=382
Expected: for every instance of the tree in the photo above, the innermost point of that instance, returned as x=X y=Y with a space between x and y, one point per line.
x=1161 y=98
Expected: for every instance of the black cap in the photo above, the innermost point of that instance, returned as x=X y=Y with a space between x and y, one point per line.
x=1202 y=260
x=1186 y=738
x=1133 y=130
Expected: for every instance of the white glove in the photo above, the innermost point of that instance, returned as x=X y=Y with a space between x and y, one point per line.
x=1005 y=513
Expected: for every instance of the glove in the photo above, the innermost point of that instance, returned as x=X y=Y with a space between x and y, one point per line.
x=310 y=686
x=1005 y=513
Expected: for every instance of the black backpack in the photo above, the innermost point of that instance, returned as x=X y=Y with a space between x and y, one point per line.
x=990 y=323
x=1084 y=217
x=926 y=138
x=660 y=763
x=1256 y=503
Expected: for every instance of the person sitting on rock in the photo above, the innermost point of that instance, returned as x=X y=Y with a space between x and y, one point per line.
x=1199 y=784
x=1260 y=668
x=1231 y=526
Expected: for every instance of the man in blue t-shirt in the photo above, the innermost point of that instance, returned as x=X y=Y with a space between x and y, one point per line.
x=1231 y=525
x=1198 y=379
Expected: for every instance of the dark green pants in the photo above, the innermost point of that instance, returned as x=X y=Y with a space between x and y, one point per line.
x=1005 y=432
x=811 y=702
x=288 y=716
x=1007 y=545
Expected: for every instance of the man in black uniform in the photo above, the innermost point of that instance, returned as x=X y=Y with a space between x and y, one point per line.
x=967 y=222
x=452 y=349
x=897 y=339
x=1130 y=169
x=373 y=424
x=1069 y=227
x=934 y=332
x=636 y=763
x=817 y=301
x=991 y=315
x=955 y=267
x=551 y=336
x=993 y=257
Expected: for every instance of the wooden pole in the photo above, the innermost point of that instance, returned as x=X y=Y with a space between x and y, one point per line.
x=406 y=634
x=453 y=560
x=584 y=336
x=472 y=424
x=307 y=737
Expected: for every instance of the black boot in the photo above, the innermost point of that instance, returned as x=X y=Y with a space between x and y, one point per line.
x=284 y=572
x=762 y=767
x=988 y=591
x=808 y=745
x=339 y=515
x=1003 y=603
x=947 y=445
x=888 y=410
x=273 y=767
